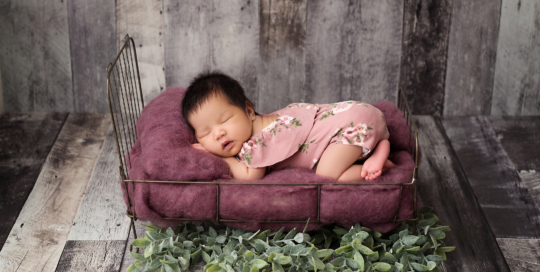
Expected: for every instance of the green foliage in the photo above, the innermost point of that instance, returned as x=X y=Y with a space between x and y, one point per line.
x=407 y=248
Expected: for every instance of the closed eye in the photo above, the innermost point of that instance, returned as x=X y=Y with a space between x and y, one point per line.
x=227 y=119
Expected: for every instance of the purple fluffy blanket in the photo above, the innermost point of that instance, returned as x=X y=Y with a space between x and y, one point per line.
x=163 y=152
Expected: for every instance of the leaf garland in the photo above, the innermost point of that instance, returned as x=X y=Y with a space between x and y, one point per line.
x=407 y=248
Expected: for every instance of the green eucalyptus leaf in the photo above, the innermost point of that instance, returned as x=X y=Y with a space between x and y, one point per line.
x=359 y=260
x=399 y=266
x=434 y=258
x=352 y=264
x=150 y=250
x=323 y=253
x=299 y=238
x=344 y=249
x=373 y=257
x=419 y=267
x=221 y=239
x=381 y=266
x=132 y=268
x=447 y=249
x=365 y=250
x=283 y=260
x=254 y=269
x=278 y=234
x=339 y=261
x=317 y=239
x=340 y=231
x=141 y=242
x=258 y=263
x=206 y=257
x=391 y=258
x=409 y=240
x=290 y=235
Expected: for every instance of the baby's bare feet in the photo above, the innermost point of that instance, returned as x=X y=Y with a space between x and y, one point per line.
x=372 y=169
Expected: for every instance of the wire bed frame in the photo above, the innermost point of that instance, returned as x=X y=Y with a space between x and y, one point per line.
x=124 y=93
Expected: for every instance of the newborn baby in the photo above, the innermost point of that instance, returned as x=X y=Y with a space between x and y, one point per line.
x=327 y=137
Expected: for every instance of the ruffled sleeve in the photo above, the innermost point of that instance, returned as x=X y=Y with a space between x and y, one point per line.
x=281 y=139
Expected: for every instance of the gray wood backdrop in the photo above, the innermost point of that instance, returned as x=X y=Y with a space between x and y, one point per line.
x=451 y=57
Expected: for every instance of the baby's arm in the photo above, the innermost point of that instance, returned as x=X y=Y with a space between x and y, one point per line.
x=238 y=169
x=373 y=166
x=241 y=171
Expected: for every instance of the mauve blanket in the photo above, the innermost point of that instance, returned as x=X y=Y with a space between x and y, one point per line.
x=163 y=152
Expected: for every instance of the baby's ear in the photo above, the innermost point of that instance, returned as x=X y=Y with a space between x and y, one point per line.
x=199 y=147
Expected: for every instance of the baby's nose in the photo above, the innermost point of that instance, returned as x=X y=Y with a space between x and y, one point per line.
x=220 y=133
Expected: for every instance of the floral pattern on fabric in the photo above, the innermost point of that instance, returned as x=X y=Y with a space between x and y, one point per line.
x=282 y=122
x=353 y=134
x=340 y=107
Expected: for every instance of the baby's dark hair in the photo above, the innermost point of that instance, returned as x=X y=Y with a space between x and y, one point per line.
x=208 y=84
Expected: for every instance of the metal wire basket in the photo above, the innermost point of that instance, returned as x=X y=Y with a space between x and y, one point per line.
x=124 y=93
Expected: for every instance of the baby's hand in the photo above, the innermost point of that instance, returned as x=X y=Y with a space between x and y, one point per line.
x=199 y=147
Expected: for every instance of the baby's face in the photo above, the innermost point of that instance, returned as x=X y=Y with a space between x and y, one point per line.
x=222 y=128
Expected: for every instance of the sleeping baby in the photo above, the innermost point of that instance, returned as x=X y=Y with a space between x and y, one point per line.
x=327 y=137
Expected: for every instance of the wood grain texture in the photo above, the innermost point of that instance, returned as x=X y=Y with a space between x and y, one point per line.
x=516 y=84
x=102 y=213
x=493 y=177
x=35 y=60
x=92 y=34
x=472 y=50
x=91 y=256
x=25 y=142
x=519 y=137
x=282 y=37
x=444 y=186
x=37 y=239
x=353 y=50
x=213 y=34
x=426 y=28
x=143 y=21
x=1 y=94
x=531 y=180
x=522 y=255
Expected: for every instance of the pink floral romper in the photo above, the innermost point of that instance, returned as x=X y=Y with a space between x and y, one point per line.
x=303 y=131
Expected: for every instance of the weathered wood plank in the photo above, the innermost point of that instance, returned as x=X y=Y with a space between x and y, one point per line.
x=212 y=35
x=37 y=239
x=426 y=26
x=522 y=255
x=493 y=178
x=282 y=37
x=91 y=256
x=531 y=180
x=444 y=187
x=516 y=84
x=25 y=142
x=102 y=214
x=353 y=50
x=472 y=52
x=1 y=94
x=519 y=137
x=92 y=33
x=143 y=21
x=35 y=62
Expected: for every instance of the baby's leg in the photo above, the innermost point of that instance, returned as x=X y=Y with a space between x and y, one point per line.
x=336 y=162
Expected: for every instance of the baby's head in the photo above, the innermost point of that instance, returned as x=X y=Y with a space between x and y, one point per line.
x=217 y=109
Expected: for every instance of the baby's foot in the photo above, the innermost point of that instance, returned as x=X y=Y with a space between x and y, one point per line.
x=372 y=169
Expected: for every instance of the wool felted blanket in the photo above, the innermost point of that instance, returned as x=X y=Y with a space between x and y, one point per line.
x=163 y=152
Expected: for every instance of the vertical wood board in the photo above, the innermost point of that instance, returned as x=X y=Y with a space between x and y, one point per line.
x=521 y=254
x=212 y=35
x=102 y=214
x=37 y=239
x=531 y=180
x=91 y=256
x=25 y=142
x=517 y=81
x=282 y=37
x=494 y=179
x=143 y=21
x=92 y=34
x=34 y=56
x=353 y=50
x=472 y=50
x=443 y=186
x=426 y=27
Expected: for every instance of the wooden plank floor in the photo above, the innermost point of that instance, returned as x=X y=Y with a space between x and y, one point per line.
x=481 y=174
